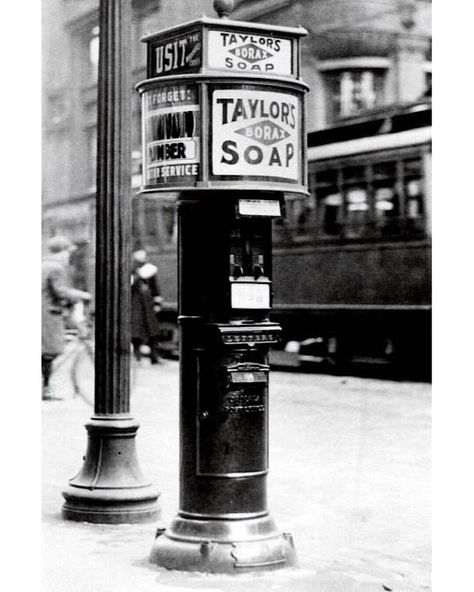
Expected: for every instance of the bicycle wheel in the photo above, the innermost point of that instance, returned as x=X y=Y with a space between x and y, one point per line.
x=82 y=373
x=60 y=386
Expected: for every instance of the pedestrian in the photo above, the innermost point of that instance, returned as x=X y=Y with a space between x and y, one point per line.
x=145 y=304
x=56 y=294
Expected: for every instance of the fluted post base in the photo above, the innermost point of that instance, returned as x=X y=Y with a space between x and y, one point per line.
x=110 y=487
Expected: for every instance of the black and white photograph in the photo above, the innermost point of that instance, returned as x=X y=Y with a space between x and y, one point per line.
x=236 y=296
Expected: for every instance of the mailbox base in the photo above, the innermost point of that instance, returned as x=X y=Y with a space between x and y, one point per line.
x=110 y=487
x=223 y=546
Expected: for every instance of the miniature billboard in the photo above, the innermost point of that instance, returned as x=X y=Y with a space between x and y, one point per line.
x=222 y=45
x=223 y=108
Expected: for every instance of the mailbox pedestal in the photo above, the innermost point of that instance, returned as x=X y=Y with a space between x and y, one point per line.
x=223 y=524
x=223 y=125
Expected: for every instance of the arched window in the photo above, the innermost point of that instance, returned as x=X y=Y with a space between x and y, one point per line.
x=353 y=85
x=349 y=92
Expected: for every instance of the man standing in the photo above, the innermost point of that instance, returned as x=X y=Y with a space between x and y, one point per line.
x=55 y=295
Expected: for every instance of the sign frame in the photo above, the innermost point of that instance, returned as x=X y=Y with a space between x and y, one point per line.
x=257 y=88
x=205 y=25
x=169 y=128
x=206 y=180
x=248 y=37
x=177 y=54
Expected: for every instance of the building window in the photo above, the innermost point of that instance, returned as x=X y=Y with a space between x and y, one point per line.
x=136 y=168
x=93 y=43
x=92 y=156
x=350 y=92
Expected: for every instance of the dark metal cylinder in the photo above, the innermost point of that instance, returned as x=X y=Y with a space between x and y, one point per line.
x=223 y=524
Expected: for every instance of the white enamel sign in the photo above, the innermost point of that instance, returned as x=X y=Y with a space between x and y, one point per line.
x=259 y=207
x=256 y=133
x=248 y=296
x=244 y=52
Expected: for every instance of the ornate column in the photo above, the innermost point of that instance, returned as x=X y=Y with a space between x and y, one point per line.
x=110 y=487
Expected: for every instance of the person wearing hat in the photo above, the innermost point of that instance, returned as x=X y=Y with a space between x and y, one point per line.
x=55 y=294
x=145 y=303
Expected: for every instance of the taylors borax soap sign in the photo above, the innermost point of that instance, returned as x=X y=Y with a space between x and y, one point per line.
x=171 y=135
x=256 y=133
x=244 y=52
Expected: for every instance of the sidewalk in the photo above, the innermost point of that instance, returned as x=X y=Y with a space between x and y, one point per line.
x=349 y=479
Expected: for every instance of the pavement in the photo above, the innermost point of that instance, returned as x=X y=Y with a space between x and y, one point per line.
x=349 y=479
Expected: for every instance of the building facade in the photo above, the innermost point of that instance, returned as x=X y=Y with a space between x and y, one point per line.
x=360 y=56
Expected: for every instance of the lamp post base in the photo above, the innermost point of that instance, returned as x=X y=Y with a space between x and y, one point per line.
x=223 y=545
x=110 y=487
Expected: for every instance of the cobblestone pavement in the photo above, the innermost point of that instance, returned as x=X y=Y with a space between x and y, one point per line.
x=349 y=479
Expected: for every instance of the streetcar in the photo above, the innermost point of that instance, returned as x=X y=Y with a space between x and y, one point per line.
x=352 y=260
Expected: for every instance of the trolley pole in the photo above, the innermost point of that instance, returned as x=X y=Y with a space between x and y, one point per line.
x=110 y=487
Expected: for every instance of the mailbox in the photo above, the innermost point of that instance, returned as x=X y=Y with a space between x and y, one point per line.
x=223 y=125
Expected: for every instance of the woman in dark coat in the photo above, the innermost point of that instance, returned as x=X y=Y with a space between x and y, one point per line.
x=55 y=294
x=145 y=300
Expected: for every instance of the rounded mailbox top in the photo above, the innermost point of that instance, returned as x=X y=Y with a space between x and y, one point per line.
x=223 y=7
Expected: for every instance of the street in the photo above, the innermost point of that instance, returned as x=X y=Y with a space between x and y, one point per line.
x=349 y=479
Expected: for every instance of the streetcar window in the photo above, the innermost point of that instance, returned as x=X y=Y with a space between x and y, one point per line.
x=385 y=171
x=300 y=214
x=355 y=174
x=357 y=200
x=329 y=202
x=357 y=203
x=369 y=198
x=357 y=212
x=331 y=213
x=386 y=200
x=412 y=178
x=327 y=178
x=414 y=202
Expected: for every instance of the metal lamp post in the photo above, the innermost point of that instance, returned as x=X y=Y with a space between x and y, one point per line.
x=110 y=487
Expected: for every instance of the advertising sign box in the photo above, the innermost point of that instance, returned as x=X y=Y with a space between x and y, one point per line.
x=223 y=108
x=208 y=44
x=213 y=133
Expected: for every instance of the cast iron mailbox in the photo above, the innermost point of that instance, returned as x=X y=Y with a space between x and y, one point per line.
x=223 y=125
